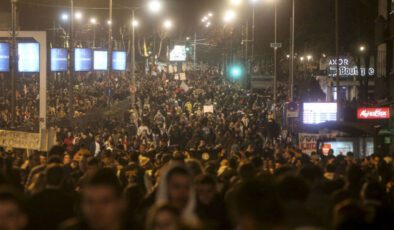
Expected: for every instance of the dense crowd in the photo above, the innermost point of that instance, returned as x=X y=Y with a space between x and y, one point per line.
x=90 y=92
x=168 y=164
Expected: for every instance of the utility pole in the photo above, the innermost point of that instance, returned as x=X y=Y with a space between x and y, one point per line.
x=13 y=63
x=275 y=56
x=132 y=67
x=291 y=81
x=337 y=46
x=253 y=32
x=71 y=47
x=110 y=40
x=195 y=50
x=94 y=35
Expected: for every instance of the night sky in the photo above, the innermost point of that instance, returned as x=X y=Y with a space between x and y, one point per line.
x=314 y=19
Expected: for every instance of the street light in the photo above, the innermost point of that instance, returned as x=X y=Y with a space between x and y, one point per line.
x=167 y=24
x=64 y=17
x=301 y=58
x=236 y=2
x=78 y=15
x=155 y=6
x=362 y=48
x=109 y=22
x=135 y=23
x=229 y=16
x=309 y=57
x=93 y=21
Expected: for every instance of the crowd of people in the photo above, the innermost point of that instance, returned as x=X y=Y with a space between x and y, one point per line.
x=90 y=91
x=169 y=162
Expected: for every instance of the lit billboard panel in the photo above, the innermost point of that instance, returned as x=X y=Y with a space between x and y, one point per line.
x=83 y=59
x=29 y=57
x=59 y=60
x=4 y=57
x=317 y=113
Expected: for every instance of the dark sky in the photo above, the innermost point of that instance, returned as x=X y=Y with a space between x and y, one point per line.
x=314 y=19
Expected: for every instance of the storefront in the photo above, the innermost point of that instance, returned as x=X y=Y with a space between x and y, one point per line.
x=348 y=73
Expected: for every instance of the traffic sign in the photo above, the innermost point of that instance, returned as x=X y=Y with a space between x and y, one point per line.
x=276 y=45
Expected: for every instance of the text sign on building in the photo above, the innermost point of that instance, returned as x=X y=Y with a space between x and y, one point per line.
x=347 y=67
x=373 y=113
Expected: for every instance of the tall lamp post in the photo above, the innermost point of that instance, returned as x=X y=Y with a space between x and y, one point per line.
x=13 y=63
x=93 y=21
x=110 y=39
x=275 y=54
x=291 y=80
x=71 y=47
x=154 y=6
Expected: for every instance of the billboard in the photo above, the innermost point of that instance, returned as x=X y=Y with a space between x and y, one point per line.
x=83 y=59
x=59 y=60
x=317 y=113
x=29 y=57
x=119 y=60
x=373 y=113
x=178 y=53
x=100 y=60
x=4 y=57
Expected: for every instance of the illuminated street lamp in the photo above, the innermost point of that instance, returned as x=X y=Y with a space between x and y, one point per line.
x=167 y=24
x=236 y=2
x=309 y=57
x=301 y=58
x=135 y=23
x=93 y=21
x=109 y=22
x=78 y=15
x=362 y=48
x=64 y=17
x=229 y=16
x=155 y=6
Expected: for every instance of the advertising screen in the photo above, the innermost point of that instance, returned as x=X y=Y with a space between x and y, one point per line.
x=316 y=113
x=4 y=57
x=373 y=113
x=29 y=57
x=83 y=59
x=119 y=60
x=59 y=58
x=100 y=60
x=178 y=53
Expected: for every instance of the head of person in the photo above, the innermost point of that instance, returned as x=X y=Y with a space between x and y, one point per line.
x=101 y=204
x=12 y=210
x=176 y=185
x=43 y=159
x=257 y=205
x=54 y=175
x=206 y=189
x=67 y=159
x=163 y=217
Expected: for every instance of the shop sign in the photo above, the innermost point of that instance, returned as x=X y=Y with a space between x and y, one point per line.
x=373 y=113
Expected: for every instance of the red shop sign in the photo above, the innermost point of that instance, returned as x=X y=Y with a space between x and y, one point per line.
x=373 y=113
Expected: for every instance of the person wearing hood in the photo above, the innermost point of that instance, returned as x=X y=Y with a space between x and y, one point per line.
x=176 y=189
